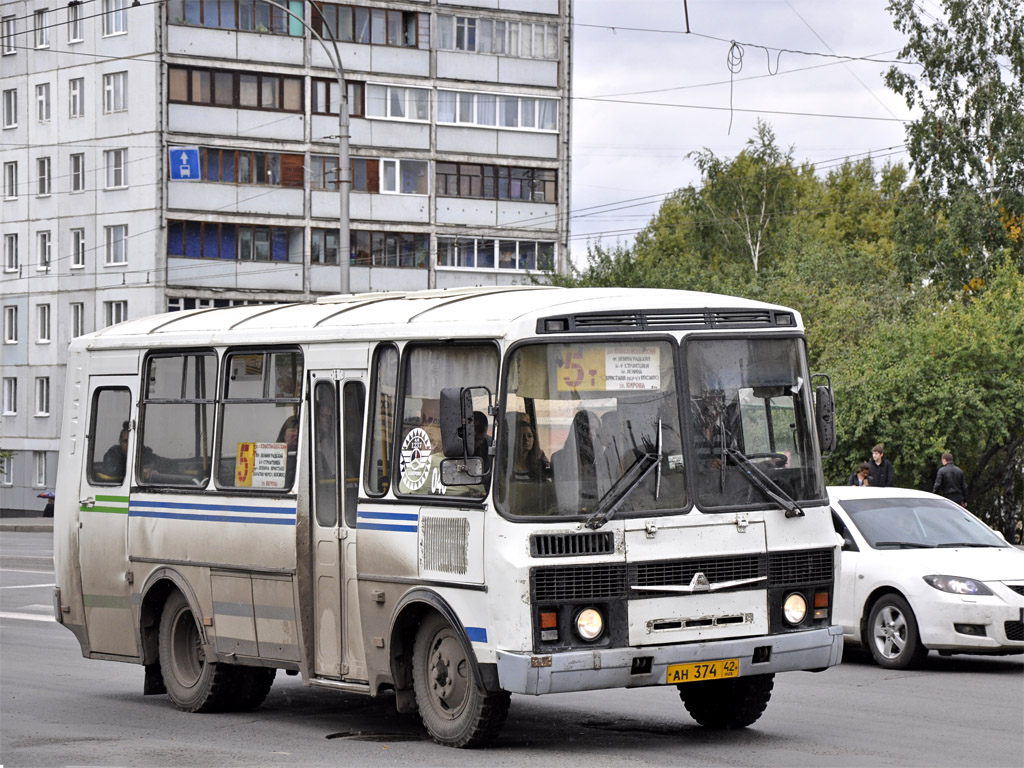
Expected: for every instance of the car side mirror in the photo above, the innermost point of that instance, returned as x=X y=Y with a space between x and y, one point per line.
x=465 y=471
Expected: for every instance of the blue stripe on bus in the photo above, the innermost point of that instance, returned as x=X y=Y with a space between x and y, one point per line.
x=213 y=518
x=477 y=634
x=385 y=527
x=136 y=503
x=389 y=515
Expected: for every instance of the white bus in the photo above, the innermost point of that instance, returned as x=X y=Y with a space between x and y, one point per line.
x=453 y=496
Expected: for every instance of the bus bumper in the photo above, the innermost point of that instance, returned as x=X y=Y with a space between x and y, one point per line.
x=584 y=670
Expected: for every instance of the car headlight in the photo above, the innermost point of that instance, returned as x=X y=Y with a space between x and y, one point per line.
x=958 y=585
x=795 y=608
x=589 y=624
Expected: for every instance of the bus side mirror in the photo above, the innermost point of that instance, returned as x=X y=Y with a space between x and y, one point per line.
x=457 y=428
x=825 y=417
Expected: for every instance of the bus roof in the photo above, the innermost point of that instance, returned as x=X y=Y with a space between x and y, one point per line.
x=459 y=312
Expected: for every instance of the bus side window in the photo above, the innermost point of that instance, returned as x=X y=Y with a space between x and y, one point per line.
x=107 y=461
x=353 y=404
x=380 y=435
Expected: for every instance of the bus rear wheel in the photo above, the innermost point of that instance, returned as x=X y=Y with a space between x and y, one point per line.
x=454 y=710
x=250 y=687
x=725 y=704
x=193 y=683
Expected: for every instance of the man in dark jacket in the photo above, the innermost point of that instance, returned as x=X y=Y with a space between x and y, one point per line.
x=881 y=474
x=950 y=481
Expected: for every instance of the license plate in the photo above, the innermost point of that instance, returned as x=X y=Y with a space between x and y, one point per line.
x=702 y=670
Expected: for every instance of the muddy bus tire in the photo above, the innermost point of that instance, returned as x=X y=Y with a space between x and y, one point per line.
x=454 y=709
x=727 y=704
x=250 y=687
x=193 y=683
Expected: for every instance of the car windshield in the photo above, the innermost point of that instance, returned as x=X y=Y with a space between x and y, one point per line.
x=578 y=418
x=910 y=522
x=750 y=412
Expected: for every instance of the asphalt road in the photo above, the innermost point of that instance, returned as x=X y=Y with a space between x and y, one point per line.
x=57 y=708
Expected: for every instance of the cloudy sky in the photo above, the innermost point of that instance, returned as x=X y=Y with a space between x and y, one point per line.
x=646 y=94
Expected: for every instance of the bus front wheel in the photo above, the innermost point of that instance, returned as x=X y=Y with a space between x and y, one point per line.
x=733 y=703
x=193 y=683
x=454 y=709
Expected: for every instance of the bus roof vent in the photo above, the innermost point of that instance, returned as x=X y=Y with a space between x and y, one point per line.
x=620 y=321
x=666 y=320
x=742 y=318
x=674 y=320
x=572 y=544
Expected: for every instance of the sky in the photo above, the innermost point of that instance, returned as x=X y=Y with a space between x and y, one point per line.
x=627 y=156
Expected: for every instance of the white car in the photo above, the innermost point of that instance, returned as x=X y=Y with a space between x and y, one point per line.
x=921 y=573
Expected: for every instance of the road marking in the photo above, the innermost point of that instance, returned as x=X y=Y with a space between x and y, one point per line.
x=26 y=616
x=27 y=586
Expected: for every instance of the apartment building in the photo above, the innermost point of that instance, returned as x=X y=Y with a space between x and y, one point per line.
x=171 y=154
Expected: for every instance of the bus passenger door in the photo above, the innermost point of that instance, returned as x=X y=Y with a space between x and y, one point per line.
x=103 y=516
x=337 y=416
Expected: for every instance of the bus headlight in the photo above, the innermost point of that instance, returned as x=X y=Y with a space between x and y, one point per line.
x=794 y=610
x=589 y=624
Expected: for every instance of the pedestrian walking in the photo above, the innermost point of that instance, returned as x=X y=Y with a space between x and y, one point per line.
x=881 y=473
x=950 y=481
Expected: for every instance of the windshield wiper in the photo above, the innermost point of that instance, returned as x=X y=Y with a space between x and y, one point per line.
x=952 y=544
x=757 y=478
x=638 y=471
x=903 y=544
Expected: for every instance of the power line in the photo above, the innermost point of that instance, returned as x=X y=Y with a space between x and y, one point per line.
x=739 y=109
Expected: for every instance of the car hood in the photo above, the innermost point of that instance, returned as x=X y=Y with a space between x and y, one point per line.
x=982 y=564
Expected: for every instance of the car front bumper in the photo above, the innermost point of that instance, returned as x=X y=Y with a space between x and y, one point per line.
x=938 y=632
x=584 y=670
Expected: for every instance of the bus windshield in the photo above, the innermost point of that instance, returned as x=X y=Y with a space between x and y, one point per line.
x=578 y=417
x=751 y=433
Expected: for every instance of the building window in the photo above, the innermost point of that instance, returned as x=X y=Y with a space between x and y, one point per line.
x=42 y=28
x=323 y=246
x=43 y=324
x=398 y=102
x=43 y=250
x=9 y=31
x=404 y=250
x=492 y=182
x=115 y=312
x=10 y=396
x=11 y=262
x=76 y=96
x=503 y=38
x=115 y=86
x=115 y=162
x=77 y=319
x=239 y=90
x=11 y=180
x=11 y=108
x=42 y=395
x=116 y=244
x=115 y=17
x=373 y=26
x=7 y=470
x=10 y=325
x=216 y=240
x=249 y=16
x=39 y=458
x=489 y=253
x=43 y=176
x=324 y=173
x=77 y=248
x=75 y=23
x=245 y=167
x=325 y=97
x=43 y=102
x=497 y=110
x=78 y=172
x=405 y=177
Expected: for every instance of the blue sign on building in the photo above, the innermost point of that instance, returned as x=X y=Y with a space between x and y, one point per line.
x=184 y=163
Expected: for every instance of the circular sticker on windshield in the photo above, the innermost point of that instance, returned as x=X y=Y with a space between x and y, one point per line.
x=415 y=459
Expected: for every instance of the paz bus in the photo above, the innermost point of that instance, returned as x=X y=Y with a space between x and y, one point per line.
x=451 y=496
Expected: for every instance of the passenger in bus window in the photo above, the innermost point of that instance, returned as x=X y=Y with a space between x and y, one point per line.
x=481 y=440
x=289 y=435
x=115 y=460
x=530 y=463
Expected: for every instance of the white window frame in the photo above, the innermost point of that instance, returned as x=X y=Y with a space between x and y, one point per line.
x=39 y=462
x=77 y=319
x=11 y=108
x=115 y=312
x=9 y=26
x=116 y=245
x=78 y=172
x=471 y=115
x=44 y=242
x=396 y=164
x=43 y=177
x=43 y=102
x=76 y=96
x=11 y=261
x=10 y=396
x=11 y=180
x=78 y=248
x=42 y=396
x=42 y=324
x=7 y=471
x=115 y=87
x=42 y=28
x=11 y=324
x=75 y=33
x=115 y=163
x=115 y=17
x=390 y=93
